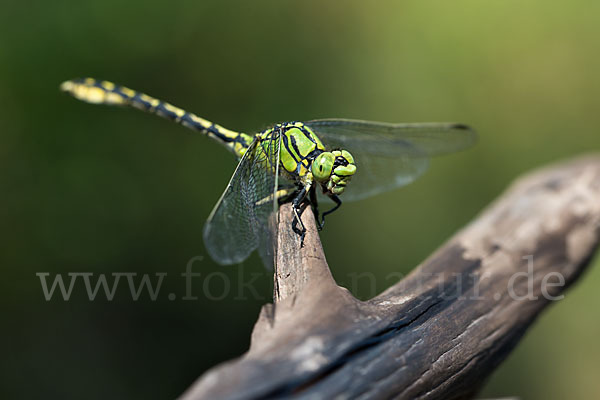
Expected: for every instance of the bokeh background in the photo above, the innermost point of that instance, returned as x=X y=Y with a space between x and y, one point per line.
x=103 y=190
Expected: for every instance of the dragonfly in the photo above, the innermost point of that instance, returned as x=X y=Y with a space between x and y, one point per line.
x=318 y=160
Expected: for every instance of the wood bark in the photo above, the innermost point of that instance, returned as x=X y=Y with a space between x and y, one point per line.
x=439 y=332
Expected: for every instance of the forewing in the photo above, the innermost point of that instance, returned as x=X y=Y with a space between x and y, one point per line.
x=388 y=156
x=246 y=212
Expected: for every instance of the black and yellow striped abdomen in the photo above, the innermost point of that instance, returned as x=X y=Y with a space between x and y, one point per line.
x=103 y=92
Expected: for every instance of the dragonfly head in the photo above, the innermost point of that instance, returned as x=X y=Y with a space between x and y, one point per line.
x=333 y=169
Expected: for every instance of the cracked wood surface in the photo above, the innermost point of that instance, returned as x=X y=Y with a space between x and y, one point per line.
x=439 y=332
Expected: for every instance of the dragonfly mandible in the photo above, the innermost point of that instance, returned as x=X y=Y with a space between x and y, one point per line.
x=294 y=161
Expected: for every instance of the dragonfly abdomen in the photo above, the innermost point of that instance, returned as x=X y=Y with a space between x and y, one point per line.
x=104 y=92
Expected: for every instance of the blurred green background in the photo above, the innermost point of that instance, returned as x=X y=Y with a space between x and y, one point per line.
x=105 y=190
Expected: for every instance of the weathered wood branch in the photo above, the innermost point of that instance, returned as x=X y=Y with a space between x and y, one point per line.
x=438 y=333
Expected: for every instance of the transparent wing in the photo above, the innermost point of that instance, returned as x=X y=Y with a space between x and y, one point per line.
x=245 y=217
x=388 y=156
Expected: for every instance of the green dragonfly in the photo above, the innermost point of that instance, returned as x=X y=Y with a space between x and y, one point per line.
x=294 y=161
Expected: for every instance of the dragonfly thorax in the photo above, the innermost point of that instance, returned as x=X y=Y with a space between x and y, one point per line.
x=299 y=147
x=304 y=157
x=333 y=169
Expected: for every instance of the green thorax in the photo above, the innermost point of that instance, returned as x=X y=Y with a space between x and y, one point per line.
x=299 y=146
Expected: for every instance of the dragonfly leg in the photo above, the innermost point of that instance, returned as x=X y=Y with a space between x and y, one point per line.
x=338 y=203
x=315 y=206
x=286 y=195
x=296 y=206
x=282 y=195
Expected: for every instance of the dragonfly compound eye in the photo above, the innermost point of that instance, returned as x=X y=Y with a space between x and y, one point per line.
x=322 y=166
